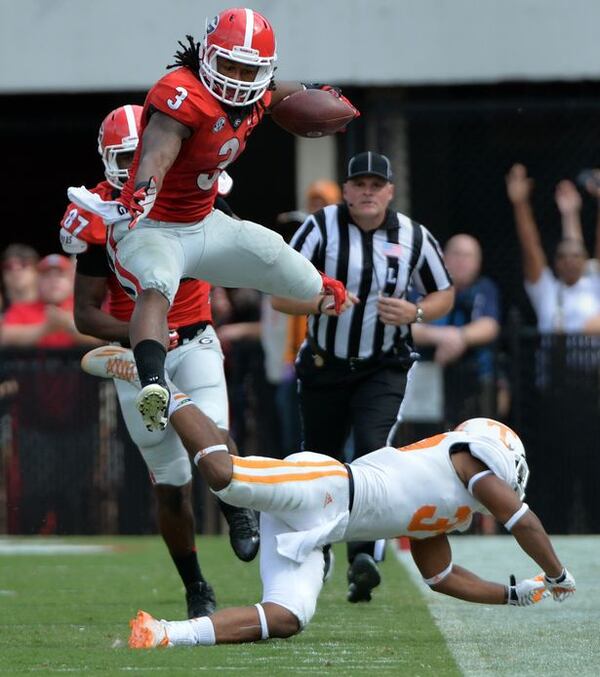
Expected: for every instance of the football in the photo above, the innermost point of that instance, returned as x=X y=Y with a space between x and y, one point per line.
x=312 y=113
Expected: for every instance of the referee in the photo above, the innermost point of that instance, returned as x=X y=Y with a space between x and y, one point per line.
x=352 y=368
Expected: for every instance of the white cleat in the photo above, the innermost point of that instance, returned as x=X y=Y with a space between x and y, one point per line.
x=152 y=402
x=111 y=362
x=147 y=632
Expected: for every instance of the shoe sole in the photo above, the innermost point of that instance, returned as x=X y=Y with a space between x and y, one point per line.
x=152 y=403
x=364 y=576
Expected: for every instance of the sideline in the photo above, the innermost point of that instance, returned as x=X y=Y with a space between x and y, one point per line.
x=550 y=638
x=40 y=546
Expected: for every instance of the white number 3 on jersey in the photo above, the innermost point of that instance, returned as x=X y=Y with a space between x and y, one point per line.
x=179 y=99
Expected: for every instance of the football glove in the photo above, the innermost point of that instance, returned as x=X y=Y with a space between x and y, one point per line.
x=526 y=592
x=561 y=587
x=142 y=201
x=336 y=289
x=336 y=91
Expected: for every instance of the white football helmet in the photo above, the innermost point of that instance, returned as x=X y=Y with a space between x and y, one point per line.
x=510 y=441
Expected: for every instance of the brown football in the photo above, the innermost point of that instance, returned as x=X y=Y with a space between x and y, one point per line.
x=312 y=113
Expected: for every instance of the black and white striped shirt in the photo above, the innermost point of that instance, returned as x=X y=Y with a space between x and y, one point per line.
x=398 y=256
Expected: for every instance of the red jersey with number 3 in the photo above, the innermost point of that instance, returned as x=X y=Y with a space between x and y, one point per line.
x=189 y=188
x=191 y=302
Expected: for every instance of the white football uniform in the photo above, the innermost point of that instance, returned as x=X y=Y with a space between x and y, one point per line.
x=196 y=368
x=304 y=500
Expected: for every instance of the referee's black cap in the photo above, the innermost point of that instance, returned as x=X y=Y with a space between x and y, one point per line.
x=369 y=164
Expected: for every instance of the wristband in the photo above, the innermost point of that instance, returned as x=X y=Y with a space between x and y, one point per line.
x=559 y=579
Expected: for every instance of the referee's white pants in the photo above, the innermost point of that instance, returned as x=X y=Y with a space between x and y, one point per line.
x=196 y=368
x=219 y=249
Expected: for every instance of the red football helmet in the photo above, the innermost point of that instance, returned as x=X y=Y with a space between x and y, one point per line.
x=119 y=133
x=246 y=37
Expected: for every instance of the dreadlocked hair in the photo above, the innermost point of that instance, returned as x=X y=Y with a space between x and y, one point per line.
x=188 y=56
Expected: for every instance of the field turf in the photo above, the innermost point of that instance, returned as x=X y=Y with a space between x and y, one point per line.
x=68 y=613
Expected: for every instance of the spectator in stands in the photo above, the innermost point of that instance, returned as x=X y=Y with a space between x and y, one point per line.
x=48 y=321
x=569 y=203
x=462 y=341
x=19 y=274
x=319 y=194
x=566 y=301
x=566 y=360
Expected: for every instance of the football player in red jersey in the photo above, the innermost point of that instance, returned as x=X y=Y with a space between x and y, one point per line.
x=194 y=361
x=195 y=122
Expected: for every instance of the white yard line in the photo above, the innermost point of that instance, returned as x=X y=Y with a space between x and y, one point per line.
x=40 y=546
x=550 y=639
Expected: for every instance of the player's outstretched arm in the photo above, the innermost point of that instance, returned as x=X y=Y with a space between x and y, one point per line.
x=434 y=560
x=500 y=499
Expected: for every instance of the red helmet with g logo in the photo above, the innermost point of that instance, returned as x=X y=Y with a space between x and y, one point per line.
x=119 y=133
x=243 y=36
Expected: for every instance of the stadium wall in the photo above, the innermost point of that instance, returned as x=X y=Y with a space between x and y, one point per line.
x=80 y=45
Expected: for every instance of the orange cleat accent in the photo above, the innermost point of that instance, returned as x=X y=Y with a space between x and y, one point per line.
x=147 y=632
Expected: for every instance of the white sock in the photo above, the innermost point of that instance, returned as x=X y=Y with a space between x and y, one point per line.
x=189 y=633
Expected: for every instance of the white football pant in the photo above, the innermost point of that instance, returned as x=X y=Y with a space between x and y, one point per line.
x=219 y=249
x=196 y=368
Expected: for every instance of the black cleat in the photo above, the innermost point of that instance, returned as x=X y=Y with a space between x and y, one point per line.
x=200 y=598
x=363 y=576
x=243 y=531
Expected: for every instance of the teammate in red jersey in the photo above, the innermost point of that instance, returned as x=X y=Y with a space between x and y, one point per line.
x=194 y=358
x=195 y=122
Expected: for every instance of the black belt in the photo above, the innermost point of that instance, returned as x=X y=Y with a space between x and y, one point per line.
x=190 y=331
x=350 y=488
x=352 y=363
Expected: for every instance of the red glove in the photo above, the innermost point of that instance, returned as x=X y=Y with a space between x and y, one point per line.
x=173 y=339
x=336 y=91
x=336 y=289
x=142 y=201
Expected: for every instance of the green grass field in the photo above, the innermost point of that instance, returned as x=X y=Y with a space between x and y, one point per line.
x=68 y=613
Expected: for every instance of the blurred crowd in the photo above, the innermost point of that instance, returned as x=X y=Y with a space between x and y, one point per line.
x=36 y=304
x=462 y=354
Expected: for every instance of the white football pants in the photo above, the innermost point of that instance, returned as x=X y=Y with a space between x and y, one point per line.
x=219 y=249
x=196 y=368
